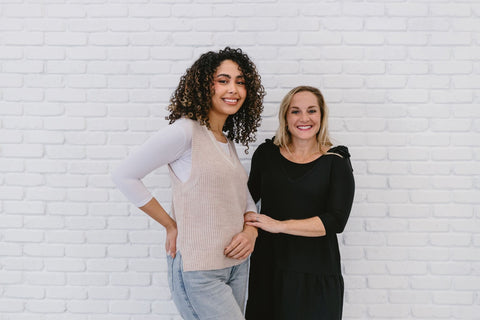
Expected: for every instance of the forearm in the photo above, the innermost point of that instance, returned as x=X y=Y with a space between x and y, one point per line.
x=311 y=227
x=156 y=211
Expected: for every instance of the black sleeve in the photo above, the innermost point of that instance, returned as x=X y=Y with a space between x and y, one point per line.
x=340 y=196
x=256 y=169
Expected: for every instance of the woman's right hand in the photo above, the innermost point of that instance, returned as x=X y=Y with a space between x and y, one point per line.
x=171 y=240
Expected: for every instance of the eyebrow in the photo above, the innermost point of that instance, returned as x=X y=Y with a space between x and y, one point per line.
x=307 y=107
x=228 y=76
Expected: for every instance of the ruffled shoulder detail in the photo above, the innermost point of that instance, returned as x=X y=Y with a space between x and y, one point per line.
x=340 y=150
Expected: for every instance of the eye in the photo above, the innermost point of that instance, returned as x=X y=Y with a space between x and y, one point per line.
x=294 y=111
x=312 y=111
x=241 y=83
x=222 y=81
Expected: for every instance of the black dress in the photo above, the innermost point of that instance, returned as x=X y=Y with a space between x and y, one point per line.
x=294 y=277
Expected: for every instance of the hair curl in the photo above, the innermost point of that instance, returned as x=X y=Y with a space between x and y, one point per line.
x=193 y=97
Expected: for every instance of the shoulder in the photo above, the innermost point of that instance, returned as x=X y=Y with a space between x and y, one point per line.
x=339 y=151
x=266 y=146
x=184 y=126
x=340 y=155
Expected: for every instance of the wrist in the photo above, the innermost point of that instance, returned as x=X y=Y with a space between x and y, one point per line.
x=251 y=230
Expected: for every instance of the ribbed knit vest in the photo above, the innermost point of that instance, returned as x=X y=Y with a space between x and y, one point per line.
x=209 y=206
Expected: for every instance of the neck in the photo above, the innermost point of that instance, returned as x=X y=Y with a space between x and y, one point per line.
x=303 y=148
x=216 y=122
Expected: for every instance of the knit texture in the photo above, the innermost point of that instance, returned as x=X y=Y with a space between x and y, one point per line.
x=209 y=206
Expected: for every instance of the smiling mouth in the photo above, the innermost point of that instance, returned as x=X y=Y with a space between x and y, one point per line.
x=304 y=127
x=230 y=101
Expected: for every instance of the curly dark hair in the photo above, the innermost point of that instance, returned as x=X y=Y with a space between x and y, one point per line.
x=193 y=97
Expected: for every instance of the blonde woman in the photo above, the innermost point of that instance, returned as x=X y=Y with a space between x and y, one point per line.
x=306 y=190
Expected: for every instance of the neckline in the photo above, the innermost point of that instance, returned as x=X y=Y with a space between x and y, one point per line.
x=299 y=163
x=284 y=170
x=215 y=142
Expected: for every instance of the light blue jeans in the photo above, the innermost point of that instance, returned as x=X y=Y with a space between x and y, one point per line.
x=211 y=294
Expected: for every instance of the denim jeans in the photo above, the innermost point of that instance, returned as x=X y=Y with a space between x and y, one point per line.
x=211 y=294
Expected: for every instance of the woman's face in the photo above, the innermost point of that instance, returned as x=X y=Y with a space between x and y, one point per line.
x=229 y=89
x=303 y=116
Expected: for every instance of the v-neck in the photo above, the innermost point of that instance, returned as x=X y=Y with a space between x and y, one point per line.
x=228 y=157
x=282 y=164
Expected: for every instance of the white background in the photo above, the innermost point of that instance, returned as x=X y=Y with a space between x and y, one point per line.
x=83 y=83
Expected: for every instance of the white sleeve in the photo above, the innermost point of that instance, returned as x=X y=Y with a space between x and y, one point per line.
x=164 y=147
x=251 y=206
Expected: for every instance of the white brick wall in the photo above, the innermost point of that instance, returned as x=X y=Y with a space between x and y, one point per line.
x=83 y=83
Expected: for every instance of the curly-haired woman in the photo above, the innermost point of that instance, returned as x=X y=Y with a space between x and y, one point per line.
x=217 y=102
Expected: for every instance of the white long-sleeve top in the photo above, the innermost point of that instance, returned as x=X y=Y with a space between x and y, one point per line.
x=171 y=145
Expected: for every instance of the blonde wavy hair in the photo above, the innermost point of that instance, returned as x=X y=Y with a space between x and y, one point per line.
x=283 y=137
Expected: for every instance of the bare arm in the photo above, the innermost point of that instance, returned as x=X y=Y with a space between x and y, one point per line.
x=311 y=227
x=156 y=211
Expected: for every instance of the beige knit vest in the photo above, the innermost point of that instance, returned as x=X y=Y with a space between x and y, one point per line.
x=209 y=206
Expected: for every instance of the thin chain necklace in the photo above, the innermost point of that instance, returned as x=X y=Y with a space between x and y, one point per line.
x=304 y=159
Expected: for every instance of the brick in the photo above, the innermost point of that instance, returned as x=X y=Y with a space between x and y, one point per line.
x=107 y=265
x=88 y=306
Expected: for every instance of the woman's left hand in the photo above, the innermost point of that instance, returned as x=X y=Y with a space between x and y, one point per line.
x=242 y=244
x=263 y=222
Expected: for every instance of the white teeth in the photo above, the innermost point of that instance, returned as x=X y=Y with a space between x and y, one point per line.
x=304 y=127
x=231 y=100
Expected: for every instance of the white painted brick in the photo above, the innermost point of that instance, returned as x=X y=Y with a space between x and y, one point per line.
x=84 y=223
x=67 y=209
x=148 y=265
x=108 y=39
x=428 y=254
x=88 y=306
x=458 y=10
x=66 y=293
x=107 y=265
x=24 y=207
x=10 y=249
x=11 y=193
x=10 y=277
x=407 y=154
x=43 y=222
x=11 y=305
x=106 y=236
x=103 y=11
x=453 y=211
x=407 y=240
x=100 y=293
x=85 y=251
x=366 y=296
x=382 y=311
x=127 y=307
x=23 y=38
x=453 y=298
x=130 y=279
x=64 y=236
x=127 y=251
x=155 y=293
x=64 y=265
x=22 y=264
x=429 y=226
x=421 y=196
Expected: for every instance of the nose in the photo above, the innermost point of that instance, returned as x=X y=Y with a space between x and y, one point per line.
x=232 y=87
x=304 y=116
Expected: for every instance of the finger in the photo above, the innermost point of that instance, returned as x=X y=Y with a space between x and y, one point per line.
x=228 y=250
x=243 y=254
x=234 y=251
